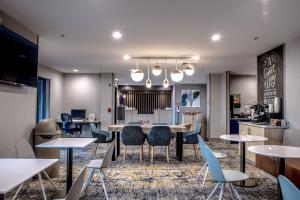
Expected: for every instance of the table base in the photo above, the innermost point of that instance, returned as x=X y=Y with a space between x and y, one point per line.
x=251 y=182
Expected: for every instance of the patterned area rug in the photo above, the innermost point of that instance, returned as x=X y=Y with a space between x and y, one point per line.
x=160 y=180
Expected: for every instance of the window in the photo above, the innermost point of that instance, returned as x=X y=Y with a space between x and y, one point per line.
x=43 y=99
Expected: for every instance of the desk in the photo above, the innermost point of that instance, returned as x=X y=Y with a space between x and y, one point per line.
x=277 y=151
x=69 y=144
x=14 y=172
x=178 y=129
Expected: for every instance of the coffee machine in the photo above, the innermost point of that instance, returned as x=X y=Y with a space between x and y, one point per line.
x=259 y=113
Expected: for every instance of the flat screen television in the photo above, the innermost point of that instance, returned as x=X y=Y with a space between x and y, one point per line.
x=18 y=59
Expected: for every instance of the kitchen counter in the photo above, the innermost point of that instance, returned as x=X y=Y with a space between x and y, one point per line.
x=266 y=126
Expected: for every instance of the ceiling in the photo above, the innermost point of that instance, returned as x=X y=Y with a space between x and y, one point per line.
x=155 y=28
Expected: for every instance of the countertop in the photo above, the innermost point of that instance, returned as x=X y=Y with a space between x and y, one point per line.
x=262 y=125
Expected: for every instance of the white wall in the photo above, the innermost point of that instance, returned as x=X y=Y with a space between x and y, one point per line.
x=17 y=105
x=56 y=89
x=82 y=91
x=292 y=80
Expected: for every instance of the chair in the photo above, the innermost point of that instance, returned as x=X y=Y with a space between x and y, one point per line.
x=102 y=137
x=135 y=123
x=159 y=136
x=222 y=177
x=204 y=168
x=159 y=123
x=288 y=189
x=133 y=136
x=68 y=125
x=100 y=164
x=24 y=150
x=192 y=137
x=76 y=189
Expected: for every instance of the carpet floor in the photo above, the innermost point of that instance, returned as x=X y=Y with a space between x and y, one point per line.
x=160 y=180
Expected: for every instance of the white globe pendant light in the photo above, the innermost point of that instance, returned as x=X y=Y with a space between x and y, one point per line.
x=148 y=81
x=188 y=69
x=176 y=75
x=156 y=70
x=166 y=81
x=137 y=74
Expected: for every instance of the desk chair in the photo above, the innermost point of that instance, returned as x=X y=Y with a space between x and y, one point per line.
x=100 y=164
x=102 y=137
x=75 y=191
x=24 y=150
x=204 y=168
x=222 y=177
x=68 y=125
x=288 y=189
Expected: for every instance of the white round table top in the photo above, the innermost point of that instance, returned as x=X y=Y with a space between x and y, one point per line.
x=278 y=151
x=243 y=138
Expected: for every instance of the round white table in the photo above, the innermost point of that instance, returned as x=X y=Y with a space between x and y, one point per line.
x=277 y=151
x=242 y=139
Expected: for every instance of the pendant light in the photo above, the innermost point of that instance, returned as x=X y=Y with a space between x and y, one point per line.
x=166 y=81
x=188 y=69
x=176 y=75
x=148 y=81
x=156 y=70
x=137 y=74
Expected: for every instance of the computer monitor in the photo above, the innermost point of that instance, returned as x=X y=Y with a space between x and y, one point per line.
x=78 y=114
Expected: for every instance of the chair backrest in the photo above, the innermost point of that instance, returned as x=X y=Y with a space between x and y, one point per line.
x=66 y=117
x=108 y=155
x=288 y=189
x=24 y=149
x=214 y=165
x=132 y=135
x=202 y=144
x=159 y=136
x=135 y=123
x=75 y=191
x=198 y=127
x=159 y=123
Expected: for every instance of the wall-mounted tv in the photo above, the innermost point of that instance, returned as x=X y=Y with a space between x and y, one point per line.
x=18 y=59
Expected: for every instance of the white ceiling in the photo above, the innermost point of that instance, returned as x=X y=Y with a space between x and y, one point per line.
x=155 y=28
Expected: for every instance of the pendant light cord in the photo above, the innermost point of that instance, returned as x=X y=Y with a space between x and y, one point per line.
x=148 y=67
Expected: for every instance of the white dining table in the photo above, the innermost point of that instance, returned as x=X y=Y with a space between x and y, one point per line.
x=14 y=172
x=277 y=151
x=242 y=139
x=69 y=144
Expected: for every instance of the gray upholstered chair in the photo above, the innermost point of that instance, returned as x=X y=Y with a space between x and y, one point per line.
x=102 y=136
x=100 y=164
x=159 y=136
x=159 y=123
x=192 y=137
x=133 y=136
x=135 y=123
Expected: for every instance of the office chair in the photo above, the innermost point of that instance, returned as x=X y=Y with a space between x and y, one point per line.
x=68 y=126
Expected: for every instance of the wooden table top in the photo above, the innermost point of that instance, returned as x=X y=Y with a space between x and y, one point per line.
x=147 y=127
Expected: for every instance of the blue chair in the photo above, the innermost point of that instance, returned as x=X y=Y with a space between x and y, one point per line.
x=204 y=168
x=288 y=189
x=192 y=137
x=133 y=136
x=68 y=125
x=102 y=136
x=222 y=177
x=159 y=136
x=160 y=124
x=135 y=123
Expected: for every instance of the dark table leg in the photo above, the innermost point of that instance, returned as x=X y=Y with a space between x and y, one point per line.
x=243 y=157
x=1 y=196
x=118 y=143
x=179 y=145
x=281 y=171
x=113 y=135
x=69 y=168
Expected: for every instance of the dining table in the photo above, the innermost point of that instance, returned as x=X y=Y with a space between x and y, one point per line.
x=69 y=144
x=116 y=129
x=280 y=152
x=242 y=139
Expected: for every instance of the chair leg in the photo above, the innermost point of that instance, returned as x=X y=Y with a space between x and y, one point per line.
x=231 y=192
x=202 y=170
x=235 y=191
x=125 y=151
x=19 y=189
x=195 y=150
x=149 y=150
x=47 y=176
x=213 y=191
x=103 y=184
x=167 y=150
x=95 y=150
x=141 y=153
x=204 y=179
x=152 y=149
x=42 y=185
x=88 y=181
x=222 y=191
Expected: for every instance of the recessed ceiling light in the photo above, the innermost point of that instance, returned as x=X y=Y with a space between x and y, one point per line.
x=216 y=37
x=126 y=57
x=75 y=70
x=196 y=57
x=117 y=35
